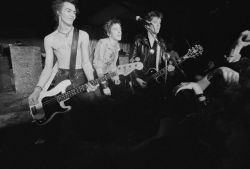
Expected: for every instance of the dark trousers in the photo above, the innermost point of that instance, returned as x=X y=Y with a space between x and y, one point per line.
x=77 y=123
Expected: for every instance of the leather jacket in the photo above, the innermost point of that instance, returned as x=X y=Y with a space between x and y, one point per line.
x=147 y=54
x=142 y=49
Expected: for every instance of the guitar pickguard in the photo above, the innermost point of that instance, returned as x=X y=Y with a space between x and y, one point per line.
x=52 y=102
x=51 y=107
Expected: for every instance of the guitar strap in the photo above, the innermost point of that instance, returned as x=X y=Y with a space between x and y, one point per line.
x=166 y=58
x=73 y=53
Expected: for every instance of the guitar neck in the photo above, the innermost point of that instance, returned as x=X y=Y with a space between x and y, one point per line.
x=83 y=87
x=182 y=59
x=159 y=73
x=192 y=53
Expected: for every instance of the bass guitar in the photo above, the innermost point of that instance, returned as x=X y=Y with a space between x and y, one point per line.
x=51 y=102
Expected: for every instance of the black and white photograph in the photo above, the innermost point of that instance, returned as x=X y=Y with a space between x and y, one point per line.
x=156 y=84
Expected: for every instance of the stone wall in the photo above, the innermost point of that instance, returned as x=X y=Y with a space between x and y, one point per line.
x=26 y=66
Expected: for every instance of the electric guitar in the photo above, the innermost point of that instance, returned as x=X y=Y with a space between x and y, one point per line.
x=51 y=102
x=153 y=74
x=154 y=79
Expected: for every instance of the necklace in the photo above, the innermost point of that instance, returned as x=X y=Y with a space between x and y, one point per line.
x=66 y=34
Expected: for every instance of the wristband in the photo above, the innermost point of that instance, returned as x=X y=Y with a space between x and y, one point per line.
x=200 y=95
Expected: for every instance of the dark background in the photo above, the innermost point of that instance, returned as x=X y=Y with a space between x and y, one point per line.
x=214 y=25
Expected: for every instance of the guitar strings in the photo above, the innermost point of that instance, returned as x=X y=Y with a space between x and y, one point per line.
x=84 y=85
x=55 y=98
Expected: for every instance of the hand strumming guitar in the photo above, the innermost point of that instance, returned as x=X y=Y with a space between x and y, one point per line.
x=141 y=82
x=91 y=87
x=33 y=98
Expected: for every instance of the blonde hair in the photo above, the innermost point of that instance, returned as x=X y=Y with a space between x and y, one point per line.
x=109 y=24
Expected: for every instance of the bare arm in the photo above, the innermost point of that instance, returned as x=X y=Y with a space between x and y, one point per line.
x=242 y=41
x=46 y=73
x=230 y=76
x=87 y=67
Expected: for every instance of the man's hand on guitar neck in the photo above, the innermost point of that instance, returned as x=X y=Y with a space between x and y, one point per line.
x=141 y=82
x=91 y=87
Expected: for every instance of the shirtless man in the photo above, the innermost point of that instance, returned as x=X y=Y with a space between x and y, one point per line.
x=59 y=43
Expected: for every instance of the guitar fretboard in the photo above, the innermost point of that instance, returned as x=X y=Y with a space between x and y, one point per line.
x=179 y=61
x=163 y=70
x=83 y=87
x=159 y=73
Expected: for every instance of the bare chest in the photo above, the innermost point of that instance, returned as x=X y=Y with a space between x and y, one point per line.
x=62 y=43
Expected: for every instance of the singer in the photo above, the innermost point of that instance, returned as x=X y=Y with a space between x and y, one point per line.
x=151 y=50
x=152 y=97
x=146 y=47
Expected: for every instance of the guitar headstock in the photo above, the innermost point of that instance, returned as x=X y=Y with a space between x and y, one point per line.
x=195 y=51
x=128 y=68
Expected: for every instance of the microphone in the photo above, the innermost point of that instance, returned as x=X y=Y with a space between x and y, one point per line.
x=145 y=22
